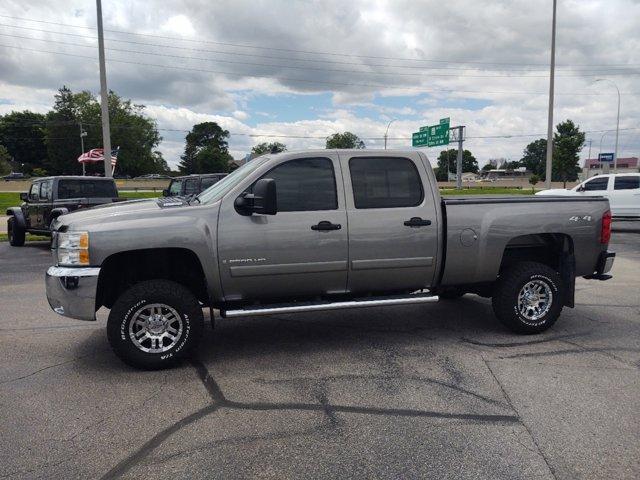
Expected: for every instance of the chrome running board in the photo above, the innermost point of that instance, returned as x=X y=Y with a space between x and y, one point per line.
x=320 y=306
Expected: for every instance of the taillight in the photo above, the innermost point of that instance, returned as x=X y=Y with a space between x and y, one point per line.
x=605 y=232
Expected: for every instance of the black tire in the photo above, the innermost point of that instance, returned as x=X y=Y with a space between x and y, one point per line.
x=175 y=301
x=507 y=290
x=451 y=293
x=15 y=233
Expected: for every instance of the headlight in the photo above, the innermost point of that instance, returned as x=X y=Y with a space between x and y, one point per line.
x=73 y=248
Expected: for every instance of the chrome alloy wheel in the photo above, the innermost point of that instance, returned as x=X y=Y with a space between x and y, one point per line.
x=534 y=300
x=155 y=328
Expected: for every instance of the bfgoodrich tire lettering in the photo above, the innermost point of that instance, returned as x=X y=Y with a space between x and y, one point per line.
x=528 y=297
x=154 y=324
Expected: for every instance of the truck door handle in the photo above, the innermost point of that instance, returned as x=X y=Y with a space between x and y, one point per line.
x=417 y=222
x=324 y=226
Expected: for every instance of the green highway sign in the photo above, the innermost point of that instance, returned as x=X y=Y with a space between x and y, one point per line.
x=433 y=135
x=419 y=139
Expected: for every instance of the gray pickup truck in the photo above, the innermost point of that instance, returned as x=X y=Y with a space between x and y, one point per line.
x=318 y=230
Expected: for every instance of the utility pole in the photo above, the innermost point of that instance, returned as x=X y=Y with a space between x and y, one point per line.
x=589 y=157
x=460 y=139
x=104 y=95
x=551 y=80
x=82 y=135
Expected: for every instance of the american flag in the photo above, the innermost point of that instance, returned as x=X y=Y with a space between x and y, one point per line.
x=97 y=155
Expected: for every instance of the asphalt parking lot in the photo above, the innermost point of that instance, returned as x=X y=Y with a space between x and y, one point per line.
x=437 y=391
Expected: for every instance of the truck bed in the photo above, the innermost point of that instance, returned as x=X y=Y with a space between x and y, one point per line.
x=478 y=231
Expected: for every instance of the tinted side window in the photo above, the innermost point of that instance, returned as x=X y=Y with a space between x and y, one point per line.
x=207 y=182
x=385 y=182
x=306 y=184
x=190 y=186
x=627 y=183
x=596 y=184
x=45 y=190
x=86 y=189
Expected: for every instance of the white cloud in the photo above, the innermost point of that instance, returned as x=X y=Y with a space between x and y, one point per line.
x=353 y=50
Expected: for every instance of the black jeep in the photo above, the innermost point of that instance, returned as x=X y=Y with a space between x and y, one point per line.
x=50 y=197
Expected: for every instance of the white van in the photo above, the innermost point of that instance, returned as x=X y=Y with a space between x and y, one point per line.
x=622 y=190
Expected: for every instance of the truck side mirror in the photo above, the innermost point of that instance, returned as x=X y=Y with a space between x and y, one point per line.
x=165 y=192
x=24 y=196
x=263 y=200
x=580 y=188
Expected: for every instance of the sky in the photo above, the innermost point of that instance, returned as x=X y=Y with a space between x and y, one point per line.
x=298 y=71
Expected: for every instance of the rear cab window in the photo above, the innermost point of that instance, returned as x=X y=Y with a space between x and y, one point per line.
x=630 y=182
x=71 y=188
x=385 y=182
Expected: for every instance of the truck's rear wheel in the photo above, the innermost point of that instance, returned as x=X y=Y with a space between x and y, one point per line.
x=15 y=233
x=528 y=297
x=154 y=324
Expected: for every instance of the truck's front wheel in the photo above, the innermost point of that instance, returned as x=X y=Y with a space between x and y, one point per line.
x=528 y=297
x=154 y=324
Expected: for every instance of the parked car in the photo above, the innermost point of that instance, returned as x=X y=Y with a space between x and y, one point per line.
x=50 y=197
x=152 y=176
x=622 y=190
x=324 y=230
x=14 y=176
x=192 y=184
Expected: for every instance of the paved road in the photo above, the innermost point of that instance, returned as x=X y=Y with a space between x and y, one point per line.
x=438 y=391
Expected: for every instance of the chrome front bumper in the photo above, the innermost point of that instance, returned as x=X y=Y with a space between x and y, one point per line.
x=71 y=291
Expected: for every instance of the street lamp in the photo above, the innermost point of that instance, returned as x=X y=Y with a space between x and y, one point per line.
x=615 y=155
x=387 y=132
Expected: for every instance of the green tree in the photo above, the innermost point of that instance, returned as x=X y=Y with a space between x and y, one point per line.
x=487 y=167
x=534 y=157
x=567 y=143
x=273 y=147
x=206 y=150
x=5 y=161
x=447 y=163
x=344 y=140
x=22 y=134
x=533 y=179
x=131 y=130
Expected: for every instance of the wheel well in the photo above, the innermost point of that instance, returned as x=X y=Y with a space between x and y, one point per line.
x=553 y=249
x=548 y=248
x=123 y=270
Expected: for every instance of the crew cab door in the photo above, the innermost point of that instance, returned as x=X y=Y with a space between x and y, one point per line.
x=393 y=222
x=302 y=250
x=624 y=197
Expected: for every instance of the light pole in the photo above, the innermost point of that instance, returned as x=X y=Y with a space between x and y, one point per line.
x=615 y=155
x=387 y=132
x=552 y=70
x=104 y=96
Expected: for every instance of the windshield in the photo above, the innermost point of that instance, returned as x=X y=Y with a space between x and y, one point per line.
x=175 y=188
x=218 y=190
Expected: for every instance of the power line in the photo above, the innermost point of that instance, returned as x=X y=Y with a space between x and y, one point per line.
x=310 y=52
x=297 y=67
x=289 y=59
x=298 y=80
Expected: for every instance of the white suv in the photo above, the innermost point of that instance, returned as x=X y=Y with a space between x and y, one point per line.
x=622 y=190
